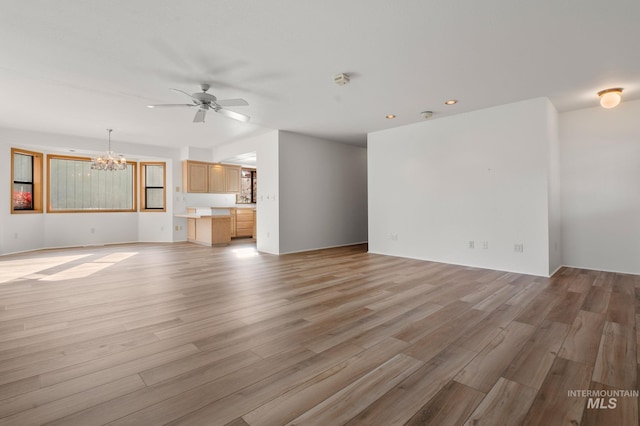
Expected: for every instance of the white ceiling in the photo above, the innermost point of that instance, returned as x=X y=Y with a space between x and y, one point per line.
x=78 y=67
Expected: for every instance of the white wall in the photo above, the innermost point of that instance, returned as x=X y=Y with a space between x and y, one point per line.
x=79 y=229
x=555 y=201
x=323 y=193
x=267 y=207
x=600 y=173
x=242 y=146
x=480 y=176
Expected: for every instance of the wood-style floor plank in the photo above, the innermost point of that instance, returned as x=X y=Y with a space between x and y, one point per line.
x=486 y=368
x=506 y=403
x=583 y=340
x=615 y=364
x=450 y=407
x=352 y=399
x=310 y=393
x=400 y=404
x=533 y=362
x=552 y=405
x=179 y=333
x=625 y=411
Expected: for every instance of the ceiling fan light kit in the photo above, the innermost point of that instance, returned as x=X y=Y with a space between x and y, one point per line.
x=206 y=101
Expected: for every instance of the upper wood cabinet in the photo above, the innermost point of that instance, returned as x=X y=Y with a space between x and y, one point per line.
x=232 y=178
x=215 y=178
x=195 y=176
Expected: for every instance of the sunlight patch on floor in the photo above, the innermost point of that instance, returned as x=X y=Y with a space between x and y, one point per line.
x=116 y=257
x=80 y=271
x=25 y=268
x=244 y=253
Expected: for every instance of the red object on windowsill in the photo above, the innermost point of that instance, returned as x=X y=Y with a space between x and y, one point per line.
x=21 y=200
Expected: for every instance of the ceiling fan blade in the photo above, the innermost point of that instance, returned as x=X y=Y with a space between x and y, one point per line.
x=180 y=91
x=234 y=115
x=232 y=102
x=199 y=118
x=171 y=105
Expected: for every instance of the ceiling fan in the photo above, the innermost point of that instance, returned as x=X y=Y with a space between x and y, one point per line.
x=207 y=102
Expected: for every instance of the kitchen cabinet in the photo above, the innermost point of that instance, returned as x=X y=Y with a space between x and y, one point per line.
x=224 y=179
x=208 y=228
x=217 y=178
x=195 y=176
x=213 y=178
x=213 y=230
x=232 y=178
x=244 y=222
x=233 y=222
x=191 y=229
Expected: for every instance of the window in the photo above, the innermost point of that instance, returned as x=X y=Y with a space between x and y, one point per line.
x=74 y=187
x=152 y=187
x=249 y=187
x=26 y=174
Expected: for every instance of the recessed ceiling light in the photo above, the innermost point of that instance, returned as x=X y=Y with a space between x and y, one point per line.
x=451 y=102
x=390 y=116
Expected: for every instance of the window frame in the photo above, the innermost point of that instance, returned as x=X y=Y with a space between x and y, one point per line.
x=143 y=187
x=134 y=194
x=37 y=177
x=253 y=178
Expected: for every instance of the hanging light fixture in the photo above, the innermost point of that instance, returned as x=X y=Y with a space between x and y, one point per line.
x=610 y=98
x=109 y=160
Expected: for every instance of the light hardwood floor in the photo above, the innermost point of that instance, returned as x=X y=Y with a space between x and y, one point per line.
x=147 y=334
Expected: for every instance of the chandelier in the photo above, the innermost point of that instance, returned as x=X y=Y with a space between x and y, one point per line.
x=109 y=160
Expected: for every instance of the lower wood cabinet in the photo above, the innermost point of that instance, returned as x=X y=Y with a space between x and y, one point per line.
x=243 y=222
x=191 y=229
x=233 y=222
x=210 y=230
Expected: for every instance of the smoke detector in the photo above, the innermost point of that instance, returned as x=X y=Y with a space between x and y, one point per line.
x=426 y=114
x=341 y=79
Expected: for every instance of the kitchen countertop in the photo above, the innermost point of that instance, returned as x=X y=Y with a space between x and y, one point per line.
x=219 y=211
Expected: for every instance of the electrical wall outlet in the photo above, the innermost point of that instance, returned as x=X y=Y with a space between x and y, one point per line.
x=485 y=245
x=472 y=244
x=518 y=247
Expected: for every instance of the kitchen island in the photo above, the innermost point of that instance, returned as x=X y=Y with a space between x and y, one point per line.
x=210 y=226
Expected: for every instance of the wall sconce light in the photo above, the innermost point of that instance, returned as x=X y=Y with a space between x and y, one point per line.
x=610 y=98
